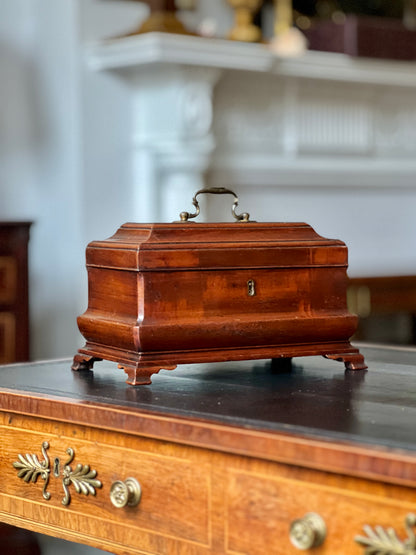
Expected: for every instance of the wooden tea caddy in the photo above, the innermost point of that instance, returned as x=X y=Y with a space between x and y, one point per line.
x=167 y=294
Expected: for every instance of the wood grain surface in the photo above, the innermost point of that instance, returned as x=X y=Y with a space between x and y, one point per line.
x=194 y=500
x=228 y=455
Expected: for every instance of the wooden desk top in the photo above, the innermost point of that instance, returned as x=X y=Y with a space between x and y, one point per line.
x=361 y=423
x=231 y=458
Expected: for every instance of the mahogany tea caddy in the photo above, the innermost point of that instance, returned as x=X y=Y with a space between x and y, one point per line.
x=167 y=294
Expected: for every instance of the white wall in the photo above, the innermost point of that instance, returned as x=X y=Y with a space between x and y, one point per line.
x=40 y=151
x=106 y=122
x=17 y=113
x=378 y=226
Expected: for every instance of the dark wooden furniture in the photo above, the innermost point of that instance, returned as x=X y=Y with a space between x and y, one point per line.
x=168 y=294
x=372 y=37
x=16 y=541
x=14 y=305
x=386 y=307
x=230 y=457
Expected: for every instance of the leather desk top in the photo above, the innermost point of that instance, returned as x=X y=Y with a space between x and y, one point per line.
x=317 y=399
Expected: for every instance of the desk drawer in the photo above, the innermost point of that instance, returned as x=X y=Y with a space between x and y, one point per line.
x=57 y=487
x=260 y=510
x=194 y=501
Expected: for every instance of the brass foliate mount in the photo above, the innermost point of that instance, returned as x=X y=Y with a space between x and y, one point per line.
x=381 y=541
x=30 y=468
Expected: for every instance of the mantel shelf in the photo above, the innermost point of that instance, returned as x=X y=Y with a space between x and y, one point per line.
x=156 y=48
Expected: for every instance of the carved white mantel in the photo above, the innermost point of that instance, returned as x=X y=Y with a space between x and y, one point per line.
x=172 y=136
x=208 y=111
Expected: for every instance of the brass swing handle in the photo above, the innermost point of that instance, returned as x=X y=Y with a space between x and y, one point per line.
x=185 y=216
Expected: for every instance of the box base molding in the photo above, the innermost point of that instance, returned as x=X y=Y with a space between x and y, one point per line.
x=139 y=367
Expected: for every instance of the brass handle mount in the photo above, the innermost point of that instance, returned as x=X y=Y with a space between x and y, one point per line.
x=127 y=493
x=185 y=216
x=308 y=531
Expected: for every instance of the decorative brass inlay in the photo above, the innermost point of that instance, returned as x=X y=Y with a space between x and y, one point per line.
x=385 y=542
x=251 y=288
x=83 y=479
x=125 y=493
x=30 y=468
x=308 y=532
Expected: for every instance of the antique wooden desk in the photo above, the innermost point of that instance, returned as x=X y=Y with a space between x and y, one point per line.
x=227 y=456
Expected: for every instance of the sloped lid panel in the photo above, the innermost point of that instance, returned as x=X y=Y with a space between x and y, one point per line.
x=145 y=247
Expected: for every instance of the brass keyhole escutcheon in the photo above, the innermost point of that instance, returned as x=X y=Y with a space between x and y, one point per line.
x=251 y=287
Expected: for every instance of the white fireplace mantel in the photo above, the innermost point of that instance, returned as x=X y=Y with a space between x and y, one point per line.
x=208 y=111
x=156 y=48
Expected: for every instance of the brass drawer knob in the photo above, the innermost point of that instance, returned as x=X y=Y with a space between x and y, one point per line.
x=308 y=532
x=125 y=493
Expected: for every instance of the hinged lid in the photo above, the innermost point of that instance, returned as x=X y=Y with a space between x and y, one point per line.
x=199 y=246
x=145 y=247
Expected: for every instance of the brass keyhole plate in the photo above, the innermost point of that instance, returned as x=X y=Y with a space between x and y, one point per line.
x=251 y=287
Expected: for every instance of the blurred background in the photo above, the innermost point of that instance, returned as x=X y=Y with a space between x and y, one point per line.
x=114 y=111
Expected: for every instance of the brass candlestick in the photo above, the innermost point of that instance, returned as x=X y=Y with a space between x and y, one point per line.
x=244 y=28
x=162 y=19
x=288 y=40
x=283 y=16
